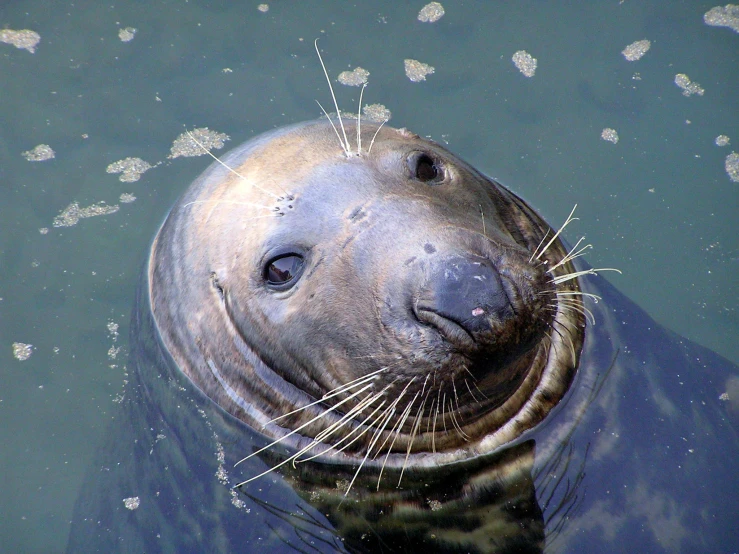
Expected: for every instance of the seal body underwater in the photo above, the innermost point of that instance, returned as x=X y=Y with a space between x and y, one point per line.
x=372 y=347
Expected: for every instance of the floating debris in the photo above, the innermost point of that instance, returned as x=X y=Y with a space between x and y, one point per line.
x=728 y=16
x=24 y=39
x=112 y=327
x=610 y=135
x=377 y=113
x=196 y=143
x=431 y=12
x=264 y=8
x=689 y=87
x=343 y=485
x=44 y=230
x=435 y=505
x=525 y=63
x=732 y=166
x=40 y=153
x=22 y=351
x=354 y=78
x=130 y=169
x=417 y=71
x=132 y=503
x=127 y=198
x=722 y=140
x=636 y=50
x=127 y=34
x=73 y=213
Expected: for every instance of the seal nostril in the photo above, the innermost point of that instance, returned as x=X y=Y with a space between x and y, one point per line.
x=216 y=284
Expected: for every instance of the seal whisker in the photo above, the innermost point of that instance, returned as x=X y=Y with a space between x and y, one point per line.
x=433 y=427
x=345 y=144
x=395 y=403
x=536 y=251
x=456 y=397
x=471 y=374
x=470 y=391
x=423 y=388
x=326 y=433
x=323 y=414
x=567 y=337
x=579 y=307
x=414 y=431
x=229 y=202
x=569 y=220
x=359 y=121
x=293 y=458
x=575 y=274
x=356 y=382
x=443 y=412
x=364 y=426
x=456 y=424
x=386 y=413
x=330 y=394
x=594 y=297
x=396 y=432
x=572 y=254
x=377 y=434
x=232 y=170
x=431 y=409
x=372 y=142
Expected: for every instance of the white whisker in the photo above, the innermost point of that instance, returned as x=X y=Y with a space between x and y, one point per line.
x=229 y=202
x=376 y=436
x=575 y=274
x=321 y=415
x=569 y=220
x=396 y=432
x=416 y=426
x=470 y=391
x=330 y=394
x=216 y=158
x=536 y=251
x=326 y=433
x=372 y=142
x=359 y=121
x=456 y=424
x=345 y=144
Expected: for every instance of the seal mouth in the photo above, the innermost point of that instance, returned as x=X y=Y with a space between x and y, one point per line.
x=453 y=331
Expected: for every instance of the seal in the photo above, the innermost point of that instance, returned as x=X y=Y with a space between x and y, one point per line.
x=389 y=311
x=388 y=306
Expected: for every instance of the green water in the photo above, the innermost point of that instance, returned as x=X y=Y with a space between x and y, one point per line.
x=659 y=204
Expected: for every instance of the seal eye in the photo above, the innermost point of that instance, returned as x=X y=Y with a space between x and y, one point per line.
x=425 y=169
x=282 y=272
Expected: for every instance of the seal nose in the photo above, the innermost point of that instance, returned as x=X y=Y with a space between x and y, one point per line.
x=467 y=291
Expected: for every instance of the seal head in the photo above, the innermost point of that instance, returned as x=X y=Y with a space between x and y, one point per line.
x=391 y=306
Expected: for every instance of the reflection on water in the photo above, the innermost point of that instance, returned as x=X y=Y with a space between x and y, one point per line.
x=659 y=204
